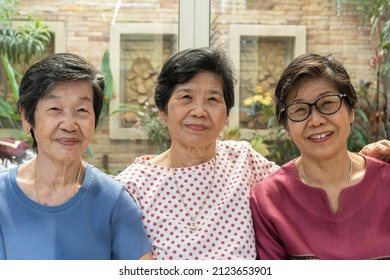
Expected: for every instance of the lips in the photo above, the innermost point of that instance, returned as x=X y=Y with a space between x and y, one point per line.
x=195 y=126
x=68 y=141
x=320 y=136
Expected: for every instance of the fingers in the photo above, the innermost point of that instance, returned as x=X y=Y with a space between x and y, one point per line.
x=379 y=149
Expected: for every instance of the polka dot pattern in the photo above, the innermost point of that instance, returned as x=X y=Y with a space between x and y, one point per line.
x=225 y=229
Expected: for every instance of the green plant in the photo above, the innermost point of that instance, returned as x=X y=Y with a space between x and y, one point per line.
x=18 y=45
x=367 y=123
x=259 y=108
x=259 y=145
x=229 y=133
x=377 y=14
x=359 y=136
x=147 y=117
x=280 y=147
x=106 y=70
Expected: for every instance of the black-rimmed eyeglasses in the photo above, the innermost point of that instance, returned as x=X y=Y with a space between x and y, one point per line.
x=328 y=104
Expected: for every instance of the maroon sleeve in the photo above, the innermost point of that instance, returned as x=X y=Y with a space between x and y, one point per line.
x=268 y=244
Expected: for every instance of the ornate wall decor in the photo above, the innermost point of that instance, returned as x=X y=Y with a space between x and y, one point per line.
x=260 y=52
x=137 y=53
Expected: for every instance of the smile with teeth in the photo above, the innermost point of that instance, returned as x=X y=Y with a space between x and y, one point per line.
x=320 y=136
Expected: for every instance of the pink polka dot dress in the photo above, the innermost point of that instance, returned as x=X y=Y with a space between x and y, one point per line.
x=216 y=193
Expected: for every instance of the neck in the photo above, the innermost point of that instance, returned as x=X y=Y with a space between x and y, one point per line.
x=58 y=189
x=326 y=173
x=58 y=176
x=183 y=157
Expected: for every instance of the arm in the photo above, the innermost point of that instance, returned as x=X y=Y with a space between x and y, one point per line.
x=129 y=239
x=268 y=244
x=379 y=149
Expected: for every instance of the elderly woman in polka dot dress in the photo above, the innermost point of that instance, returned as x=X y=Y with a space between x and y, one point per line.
x=195 y=195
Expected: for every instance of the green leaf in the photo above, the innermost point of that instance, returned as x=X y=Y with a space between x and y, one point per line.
x=107 y=74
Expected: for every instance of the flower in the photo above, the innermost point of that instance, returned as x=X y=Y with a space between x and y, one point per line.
x=259 y=109
x=259 y=103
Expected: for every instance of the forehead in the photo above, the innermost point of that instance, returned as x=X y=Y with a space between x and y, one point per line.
x=311 y=89
x=206 y=79
x=67 y=89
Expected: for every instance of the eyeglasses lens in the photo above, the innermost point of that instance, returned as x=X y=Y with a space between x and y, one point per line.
x=327 y=105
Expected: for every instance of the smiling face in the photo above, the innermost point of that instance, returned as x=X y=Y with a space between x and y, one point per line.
x=64 y=121
x=196 y=111
x=320 y=136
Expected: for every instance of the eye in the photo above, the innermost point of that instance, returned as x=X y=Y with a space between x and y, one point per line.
x=216 y=97
x=84 y=112
x=301 y=109
x=298 y=109
x=53 y=109
x=328 y=103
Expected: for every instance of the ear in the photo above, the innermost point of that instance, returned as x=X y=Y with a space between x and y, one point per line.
x=163 y=116
x=25 y=124
x=352 y=117
x=288 y=135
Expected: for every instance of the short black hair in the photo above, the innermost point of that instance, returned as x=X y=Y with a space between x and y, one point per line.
x=184 y=65
x=308 y=66
x=42 y=76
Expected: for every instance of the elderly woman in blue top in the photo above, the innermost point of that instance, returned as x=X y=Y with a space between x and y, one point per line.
x=57 y=206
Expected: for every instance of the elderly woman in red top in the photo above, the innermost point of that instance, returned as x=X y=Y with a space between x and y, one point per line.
x=329 y=203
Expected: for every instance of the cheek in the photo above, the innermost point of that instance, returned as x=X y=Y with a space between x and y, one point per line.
x=295 y=131
x=88 y=128
x=219 y=113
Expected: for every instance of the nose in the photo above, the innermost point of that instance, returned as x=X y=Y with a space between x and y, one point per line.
x=199 y=109
x=316 y=117
x=69 y=122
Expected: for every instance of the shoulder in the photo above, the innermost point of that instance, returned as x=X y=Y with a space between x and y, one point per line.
x=94 y=176
x=6 y=176
x=138 y=169
x=234 y=147
x=231 y=149
x=105 y=190
x=371 y=161
x=279 y=188
x=283 y=177
x=233 y=144
x=375 y=166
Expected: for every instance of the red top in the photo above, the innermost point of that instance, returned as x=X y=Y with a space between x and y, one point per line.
x=294 y=221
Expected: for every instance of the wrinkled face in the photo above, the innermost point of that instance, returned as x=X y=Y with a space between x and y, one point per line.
x=64 y=121
x=320 y=135
x=197 y=110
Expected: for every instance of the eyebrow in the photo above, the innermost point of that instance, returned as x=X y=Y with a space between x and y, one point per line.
x=190 y=89
x=327 y=92
x=54 y=96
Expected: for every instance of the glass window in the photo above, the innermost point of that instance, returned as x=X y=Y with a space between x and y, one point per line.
x=137 y=53
x=143 y=35
x=260 y=52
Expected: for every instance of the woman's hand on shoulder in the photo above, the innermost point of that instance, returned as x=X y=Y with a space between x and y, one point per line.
x=379 y=150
